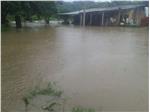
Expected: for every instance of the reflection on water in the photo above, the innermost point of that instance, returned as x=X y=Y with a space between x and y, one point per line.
x=105 y=68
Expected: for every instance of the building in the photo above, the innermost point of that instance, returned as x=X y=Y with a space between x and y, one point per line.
x=133 y=15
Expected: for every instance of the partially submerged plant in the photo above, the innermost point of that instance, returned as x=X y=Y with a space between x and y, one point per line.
x=50 y=107
x=54 y=97
x=50 y=91
x=26 y=102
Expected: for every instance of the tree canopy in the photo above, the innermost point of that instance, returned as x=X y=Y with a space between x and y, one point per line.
x=26 y=9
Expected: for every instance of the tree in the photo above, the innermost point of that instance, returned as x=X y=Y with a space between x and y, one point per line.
x=4 y=12
x=44 y=9
x=25 y=9
x=13 y=9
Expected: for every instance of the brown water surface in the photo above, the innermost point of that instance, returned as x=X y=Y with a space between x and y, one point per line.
x=105 y=68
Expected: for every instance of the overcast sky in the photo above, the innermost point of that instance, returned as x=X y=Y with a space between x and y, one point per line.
x=101 y=0
x=85 y=0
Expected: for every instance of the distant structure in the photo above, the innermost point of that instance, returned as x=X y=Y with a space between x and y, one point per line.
x=133 y=15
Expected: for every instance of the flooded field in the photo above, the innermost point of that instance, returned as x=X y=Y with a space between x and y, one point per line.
x=105 y=68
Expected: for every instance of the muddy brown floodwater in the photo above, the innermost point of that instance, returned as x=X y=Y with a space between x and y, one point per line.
x=105 y=68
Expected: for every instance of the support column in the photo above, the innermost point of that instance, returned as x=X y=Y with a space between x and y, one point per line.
x=138 y=16
x=80 y=19
x=102 y=18
x=84 y=14
x=118 y=22
x=91 y=19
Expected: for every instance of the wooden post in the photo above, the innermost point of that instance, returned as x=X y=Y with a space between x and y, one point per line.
x=81 y=19
x=91 y=19
x=84 y=14
x=102 y=18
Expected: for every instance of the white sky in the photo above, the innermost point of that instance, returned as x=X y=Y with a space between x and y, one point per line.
x=85 y=0
x=76 y=0
x=101 y=0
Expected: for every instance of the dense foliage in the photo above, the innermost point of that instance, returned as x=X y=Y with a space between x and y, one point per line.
x=26 y=9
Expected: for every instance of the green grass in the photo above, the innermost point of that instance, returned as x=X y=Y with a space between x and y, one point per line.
x=81 y=109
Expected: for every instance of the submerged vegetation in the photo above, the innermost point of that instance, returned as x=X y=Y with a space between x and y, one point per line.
x=54 y=100
x=50 y=91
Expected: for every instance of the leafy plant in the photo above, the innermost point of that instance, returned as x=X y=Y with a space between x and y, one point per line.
x=50 y=90
x=55 y=100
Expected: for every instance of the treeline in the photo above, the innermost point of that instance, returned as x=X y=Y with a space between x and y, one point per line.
x=78 y=5
x=26 y=10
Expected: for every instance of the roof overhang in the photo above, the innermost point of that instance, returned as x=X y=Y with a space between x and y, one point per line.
x=102 y=9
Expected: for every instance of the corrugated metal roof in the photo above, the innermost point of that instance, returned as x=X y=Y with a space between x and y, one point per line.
x=102 y=9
